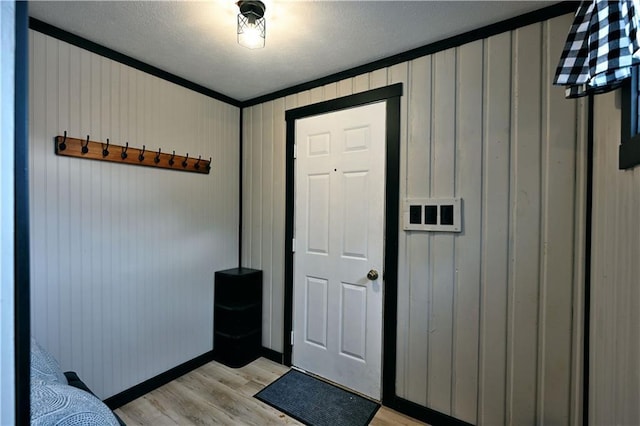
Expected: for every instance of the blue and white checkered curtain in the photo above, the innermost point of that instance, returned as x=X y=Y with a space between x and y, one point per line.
x=601 y=47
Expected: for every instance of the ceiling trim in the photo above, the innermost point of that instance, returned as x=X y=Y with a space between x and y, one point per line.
x=543 y=14
x=511 y=24
x=60 y=34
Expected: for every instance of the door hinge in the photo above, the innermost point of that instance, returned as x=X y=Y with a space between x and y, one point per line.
x=291 y=337
x=293 y=245
x=295 y=151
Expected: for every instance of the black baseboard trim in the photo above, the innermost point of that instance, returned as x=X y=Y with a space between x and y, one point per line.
x=424 y=414
x=135 y=392
x=272 y=355
x=401 y=405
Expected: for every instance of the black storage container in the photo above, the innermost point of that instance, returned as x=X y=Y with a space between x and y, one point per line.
x=237 y=333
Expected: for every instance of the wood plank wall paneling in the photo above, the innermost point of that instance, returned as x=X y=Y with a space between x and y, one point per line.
x=559 y=235
x=408 y=351
x=495 y=235
x=468 y=251
x=488 y=327
x=123 y=257
x=615 y=294
x=440 y=258
x=524 y=274
x=418 y=159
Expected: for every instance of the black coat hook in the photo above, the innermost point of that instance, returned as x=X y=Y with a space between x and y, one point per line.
x=62 y=146
x=105 y=150
x=184 y=163
x=197 y=165
x=171 y=162
x=85 y=147
x=141 y=156
x=123 y=155
x=209 y=164
x=157 y=157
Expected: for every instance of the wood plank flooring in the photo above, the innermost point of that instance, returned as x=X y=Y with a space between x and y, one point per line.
x=216 y=394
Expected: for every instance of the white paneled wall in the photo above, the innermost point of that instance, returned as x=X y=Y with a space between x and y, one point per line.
x=123 y=257
x=615 y=276
x=489 y=319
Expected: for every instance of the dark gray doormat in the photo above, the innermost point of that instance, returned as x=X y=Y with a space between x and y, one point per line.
x=317 y=403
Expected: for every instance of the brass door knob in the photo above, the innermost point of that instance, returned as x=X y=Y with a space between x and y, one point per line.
x=372 y=275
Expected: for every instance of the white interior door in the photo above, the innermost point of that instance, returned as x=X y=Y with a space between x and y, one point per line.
x=339 y=225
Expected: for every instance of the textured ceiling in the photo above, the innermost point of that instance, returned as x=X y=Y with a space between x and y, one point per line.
x=306 y=40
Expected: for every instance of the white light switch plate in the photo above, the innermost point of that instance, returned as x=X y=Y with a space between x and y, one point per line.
x=432 y=214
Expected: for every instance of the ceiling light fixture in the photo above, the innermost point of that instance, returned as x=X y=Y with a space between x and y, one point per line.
x=251 y=24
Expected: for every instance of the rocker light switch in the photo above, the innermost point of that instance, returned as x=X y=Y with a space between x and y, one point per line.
x=415 y=215
x=431 y=215
x=446 y=214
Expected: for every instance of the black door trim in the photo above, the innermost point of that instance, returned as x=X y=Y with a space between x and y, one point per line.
x=390 y=94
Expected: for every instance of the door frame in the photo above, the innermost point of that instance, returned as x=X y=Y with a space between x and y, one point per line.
x=391 y=94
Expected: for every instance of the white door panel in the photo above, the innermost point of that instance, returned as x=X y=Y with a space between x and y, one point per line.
x=339 y=224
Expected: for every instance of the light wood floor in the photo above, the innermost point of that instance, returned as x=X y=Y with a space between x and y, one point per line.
x=216 y=394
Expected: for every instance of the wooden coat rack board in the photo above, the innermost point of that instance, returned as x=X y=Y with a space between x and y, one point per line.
x=84 y=148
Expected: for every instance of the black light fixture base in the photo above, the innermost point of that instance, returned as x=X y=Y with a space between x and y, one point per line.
x=252 y=7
